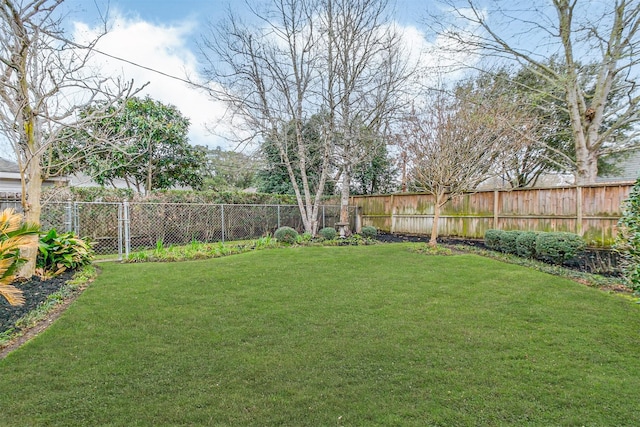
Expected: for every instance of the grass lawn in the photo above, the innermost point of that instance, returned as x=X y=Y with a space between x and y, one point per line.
x=353 y=336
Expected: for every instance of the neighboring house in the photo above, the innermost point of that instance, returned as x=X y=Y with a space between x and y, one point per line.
x=81 y=180
x=10 y=178
x=629 y=169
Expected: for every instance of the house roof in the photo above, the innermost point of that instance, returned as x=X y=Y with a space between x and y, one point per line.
x=8 y=165
x=629 y=167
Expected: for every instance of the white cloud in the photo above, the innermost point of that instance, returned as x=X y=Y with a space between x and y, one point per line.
x=162 y=48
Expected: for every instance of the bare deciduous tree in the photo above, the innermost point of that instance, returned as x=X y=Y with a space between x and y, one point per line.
x=44 y=85
x=365 y=80
x=598 y=43
x=335 y=60
x=454 y=145
x=268 y=75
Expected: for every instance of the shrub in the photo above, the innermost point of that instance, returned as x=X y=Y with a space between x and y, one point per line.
x=628 y=238
x=526 y=244
x=369 y=232
x=14 y=235
x=492 y=239
x=507 y=241
x=558 y=247
x=286 y=235
x=61 y=251
x=304 y=237
x=328 y=233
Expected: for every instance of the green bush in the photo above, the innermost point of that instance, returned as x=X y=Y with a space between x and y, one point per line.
x=286 y=235
x=328 y=233
x=492 y=239
x=507 y=241
x=369 y=232
x=628 y=238
x=558 y=247
x=526 y=244
x=62 y=251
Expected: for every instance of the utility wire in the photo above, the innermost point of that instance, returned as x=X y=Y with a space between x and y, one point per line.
x=135 y=64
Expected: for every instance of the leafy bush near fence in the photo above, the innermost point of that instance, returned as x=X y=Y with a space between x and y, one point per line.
x=628 y=239
x=62 y=251
x=553 y=247
x=286 y=235
x=369 y=232
x=328 y=233
x=507 y=242
x=526 y=244
x=558 y=247
x=492 y=239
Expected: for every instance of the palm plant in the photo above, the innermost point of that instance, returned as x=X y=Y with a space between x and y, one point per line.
x=14 y=236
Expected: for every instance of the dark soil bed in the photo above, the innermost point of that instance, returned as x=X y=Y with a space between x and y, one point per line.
x=35 y=291
x=592 y=260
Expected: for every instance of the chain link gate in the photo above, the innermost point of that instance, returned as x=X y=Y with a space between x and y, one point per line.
x=116 y=229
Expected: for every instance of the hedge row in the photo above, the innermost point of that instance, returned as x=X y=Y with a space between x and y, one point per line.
x=553 y=247
x=101 y=194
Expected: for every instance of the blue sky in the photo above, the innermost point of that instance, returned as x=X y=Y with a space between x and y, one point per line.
x=162 y=35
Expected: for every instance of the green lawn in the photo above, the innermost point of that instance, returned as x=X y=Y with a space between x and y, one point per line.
x=318 y=336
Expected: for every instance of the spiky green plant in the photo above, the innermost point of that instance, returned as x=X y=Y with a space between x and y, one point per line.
x=14 y=236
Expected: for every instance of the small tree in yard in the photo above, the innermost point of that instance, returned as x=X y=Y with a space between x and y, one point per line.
x=452 y=147
x=628 y=240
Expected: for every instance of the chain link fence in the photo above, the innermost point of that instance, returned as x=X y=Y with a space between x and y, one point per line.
x=119 y=228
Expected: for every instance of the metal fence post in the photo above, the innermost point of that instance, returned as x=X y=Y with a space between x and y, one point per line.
x=76 y=218
x=222 y=215
x=323 y=218
x=278 y=216
x=68 y=220
x=120 y=231
x=127 y=236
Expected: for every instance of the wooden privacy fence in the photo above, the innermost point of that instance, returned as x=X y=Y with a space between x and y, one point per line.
x=591 y=211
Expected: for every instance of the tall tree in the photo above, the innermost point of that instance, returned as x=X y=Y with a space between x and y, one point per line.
x=153 y=150
x=453 y=146
x=268 y=76
x=603 y=35
x=44 y=84
x=366 y=75
x=335 y=60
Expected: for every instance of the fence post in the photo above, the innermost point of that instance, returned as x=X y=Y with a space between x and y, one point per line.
x=76 y=218
x=323 y=218
x=496 y=215
x=222 y=215
x=120 y=231
x=68 y=220
x=393 y=215
x=127 y=236
x=278 y=217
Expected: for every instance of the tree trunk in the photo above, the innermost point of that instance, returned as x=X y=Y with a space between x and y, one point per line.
x=32 y=207
x=344 y=198
x=433 y=240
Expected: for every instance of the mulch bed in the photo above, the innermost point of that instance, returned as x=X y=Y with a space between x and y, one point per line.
x=592 y=260
x=35 y=291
